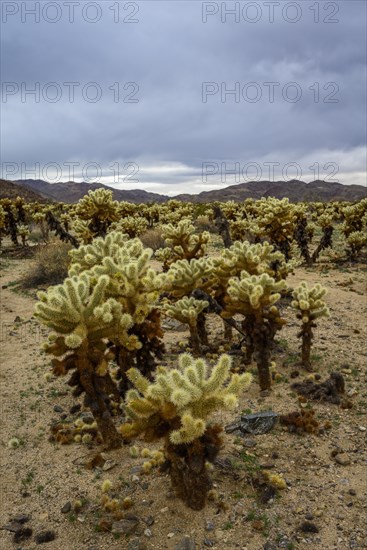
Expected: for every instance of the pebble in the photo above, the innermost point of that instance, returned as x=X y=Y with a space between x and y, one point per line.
x=362 y=428
x=149 y=520
x=352 y=492
x=58 y=409
x=248 y=442
x=66 y=508
x=45 y=536
x=125 y=526
x=209 y=526
x=342 y=459
x=209 y=543
x=22 y=533
x=187 y=543
x=136 y=544
x=148 y=533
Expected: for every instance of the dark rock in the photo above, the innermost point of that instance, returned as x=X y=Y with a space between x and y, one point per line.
x=308 y=527
x=209 y=543
x=58 y=409
x=22 y=533
x=342 y=459
x=270 y=546
x=209 y=526
x=352 y=492
x=45 y=536
x=17 y=319
x=235 y=426
x=21 y=518
x=187 y=543
x=66 y=508
x=309 y=517
x=248 y=442
x=125 y=526
x=258 y=423
x=87 y=418
x=136 y=544
x=75 y=408
x=149 y=520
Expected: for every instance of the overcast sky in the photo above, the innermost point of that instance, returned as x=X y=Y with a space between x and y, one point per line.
x=142 y=91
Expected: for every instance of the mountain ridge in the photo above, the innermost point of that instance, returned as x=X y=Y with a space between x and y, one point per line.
x=295 y=190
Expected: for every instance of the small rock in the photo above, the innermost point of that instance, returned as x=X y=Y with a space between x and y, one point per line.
x=249 y=443
x=187 y=543
x=149 y=520
x=148 y=533
x=362 y=428
x=45 y=536
x=87 y=417
x=170 y=535
x=342 y=459
x=21 y=518
x=58 y=409
x=258 y=423
x=22 y=533
x=17 y=319
x=309 y=517
x=209 y=543
x=270 y=546
x=308 y=527
x=209 y=526
x=66 y=508
x=136 y=544
x=125 y=526
x=135 y=478
x=75 y=408
x=352 y=492
x=264 y=393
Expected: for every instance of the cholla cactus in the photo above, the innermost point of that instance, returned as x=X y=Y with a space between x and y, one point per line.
x=2 y=222
x=356 y=241
x=183 y=276
x=276 y=219
x=187 y=310
x=99 y=210
x=82 y=231
x=302 y=234
x=84 y=319
x=353 y=217
x=24 y=233
x=310 y=306
x=177 y=406
x=326 y=223
x=136 y=286
x=183 y=243
x=254 y=297
x=131 y=225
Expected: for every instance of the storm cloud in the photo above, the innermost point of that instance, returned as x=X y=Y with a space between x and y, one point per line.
x=144 y=94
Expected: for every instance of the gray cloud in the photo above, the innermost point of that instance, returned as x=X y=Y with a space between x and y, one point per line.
x=169 y=53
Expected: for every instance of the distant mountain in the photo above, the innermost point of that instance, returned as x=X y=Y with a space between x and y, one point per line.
x=71 y=191
x=295 y=190
x=11 y=190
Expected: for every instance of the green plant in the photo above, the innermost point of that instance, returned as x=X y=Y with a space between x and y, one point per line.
x=310 y=306
x=176 y=407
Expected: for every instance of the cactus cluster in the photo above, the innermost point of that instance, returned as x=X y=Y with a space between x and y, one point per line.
x=254 y=297
x=176 y=406
x=310 y=306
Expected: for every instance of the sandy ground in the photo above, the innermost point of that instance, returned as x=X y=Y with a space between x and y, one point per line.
x=39 y=477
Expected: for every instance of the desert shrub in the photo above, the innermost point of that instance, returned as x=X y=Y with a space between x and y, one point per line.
x=152 y=239
x=50 y=266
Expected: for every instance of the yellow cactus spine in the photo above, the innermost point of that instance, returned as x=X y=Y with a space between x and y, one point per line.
x=177 y=406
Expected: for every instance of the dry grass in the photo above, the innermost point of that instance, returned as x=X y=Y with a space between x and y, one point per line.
x=50 y=265
x=152 y=239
